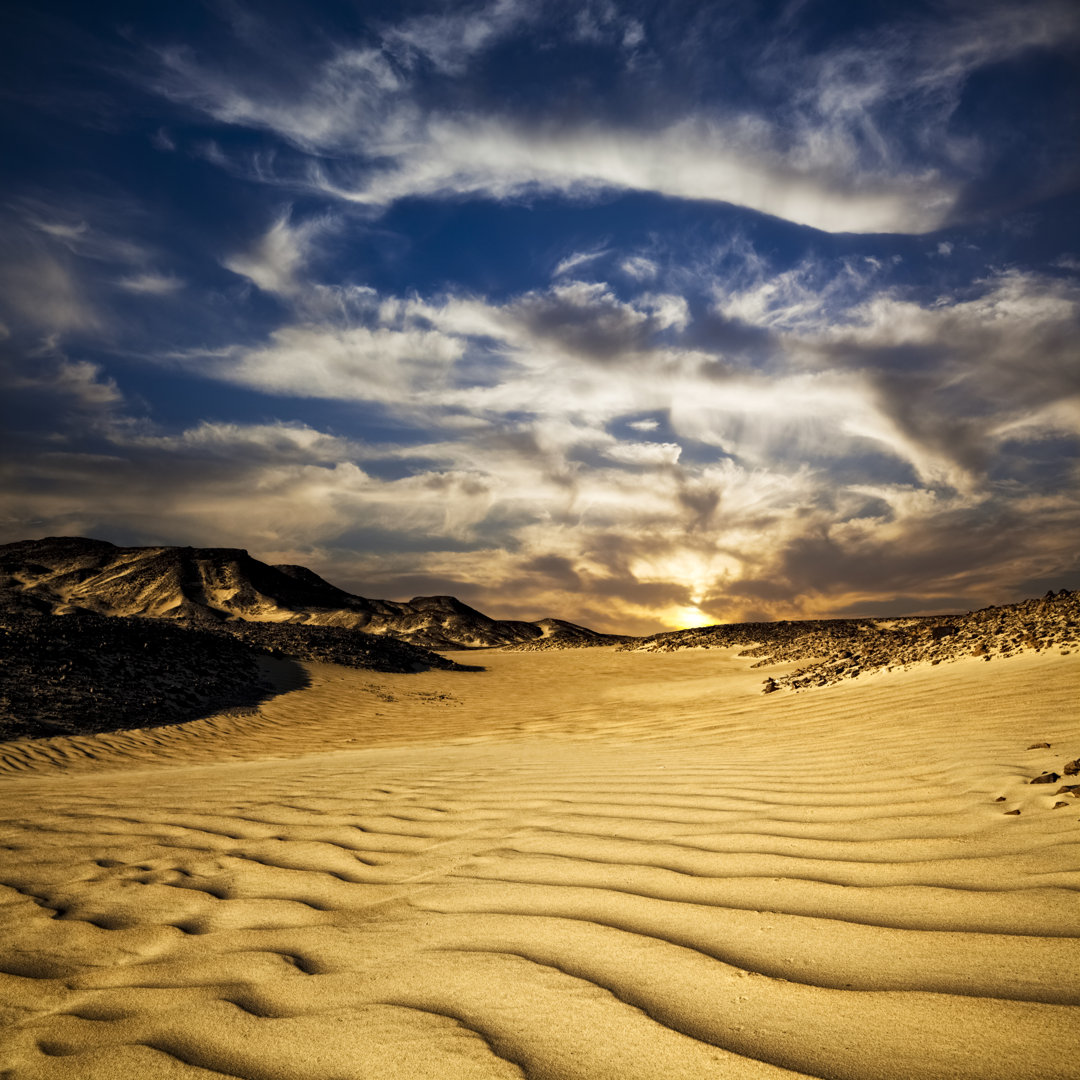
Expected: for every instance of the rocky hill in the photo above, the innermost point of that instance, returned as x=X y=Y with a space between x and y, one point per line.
x=559 y=634
x=83 y=672
x=835 y=649
x=214 y=586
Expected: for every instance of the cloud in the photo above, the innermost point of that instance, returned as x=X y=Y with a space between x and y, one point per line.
x=277 y=259
x=41 y=290
x=652 y=454
x=600 y=22
x=538 y=517
x=693 y=158
x=576 y=260
x=675 y=425
x=151 y=284
x=77 y=382
x=448 y=41
x=639 y=268
x=939 y=387
x=353 y=364
x=60 y=257
x=862 y=142
x=883 y=425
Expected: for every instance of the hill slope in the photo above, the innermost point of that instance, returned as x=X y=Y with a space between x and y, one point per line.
x=214 y=586
x=837 y=649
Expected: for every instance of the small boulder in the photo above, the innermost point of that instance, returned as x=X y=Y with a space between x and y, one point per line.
x=770 y=686
x=1072 y=768
x=1000 y=798
x=1039 y=746
x=1047 y=778
x=1011 y=813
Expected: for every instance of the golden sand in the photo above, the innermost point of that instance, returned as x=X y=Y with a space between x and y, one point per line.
x=584 y=864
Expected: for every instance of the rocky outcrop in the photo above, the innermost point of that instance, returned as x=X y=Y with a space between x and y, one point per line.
x=835 y=649
x=336 y=645
x=82 y=673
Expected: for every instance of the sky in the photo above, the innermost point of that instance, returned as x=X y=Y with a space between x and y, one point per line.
x=641 y=315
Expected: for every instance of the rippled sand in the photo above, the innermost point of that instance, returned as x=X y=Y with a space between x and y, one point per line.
x=583 y=864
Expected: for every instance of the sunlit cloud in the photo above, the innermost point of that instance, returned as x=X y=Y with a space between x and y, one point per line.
x=526 y=395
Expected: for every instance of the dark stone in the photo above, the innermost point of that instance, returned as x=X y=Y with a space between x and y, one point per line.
x=1072 y=768
x=1039 y=746
x=1047 y=778
x=1011 y=813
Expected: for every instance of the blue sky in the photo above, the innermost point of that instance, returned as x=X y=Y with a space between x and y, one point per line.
x=642 y=315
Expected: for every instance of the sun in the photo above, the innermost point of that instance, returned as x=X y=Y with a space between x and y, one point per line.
x=686 y=617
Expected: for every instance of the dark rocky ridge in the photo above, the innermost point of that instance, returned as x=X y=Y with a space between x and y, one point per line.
x=336 y=645
x=84 y=673
x=81 y=673
x=212 y=586
x=838 y=649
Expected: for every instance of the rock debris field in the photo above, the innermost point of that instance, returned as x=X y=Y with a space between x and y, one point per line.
x=836 y=649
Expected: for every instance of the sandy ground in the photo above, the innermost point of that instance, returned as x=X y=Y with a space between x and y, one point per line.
x=584 y=864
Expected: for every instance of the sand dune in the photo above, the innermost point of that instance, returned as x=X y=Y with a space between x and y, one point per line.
x=586 y=864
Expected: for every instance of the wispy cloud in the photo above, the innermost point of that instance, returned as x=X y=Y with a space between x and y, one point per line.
x=577 y=259
x=840 y=156
x=151 y=283
x=276 y=260
x=450 y=40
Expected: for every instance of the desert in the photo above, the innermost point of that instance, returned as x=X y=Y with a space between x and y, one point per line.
x=614 y=860
x=540 y=540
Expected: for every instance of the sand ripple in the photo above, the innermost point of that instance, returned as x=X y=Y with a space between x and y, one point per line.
x=610 y=866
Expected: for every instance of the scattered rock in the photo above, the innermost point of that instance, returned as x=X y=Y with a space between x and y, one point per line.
x=1047 y=778
x=1039 y=746
x=1000 y=798
x=1058 y=804
x=836 y=649
x=1071 y=768
x=769 y=686
x=1011 y=813
x=1069 y=789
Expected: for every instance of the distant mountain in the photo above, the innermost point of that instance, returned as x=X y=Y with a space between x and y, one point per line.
x=208 y=586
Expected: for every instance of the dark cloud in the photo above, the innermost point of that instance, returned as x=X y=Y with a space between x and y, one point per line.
x=587 y=321
x=556 y=569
